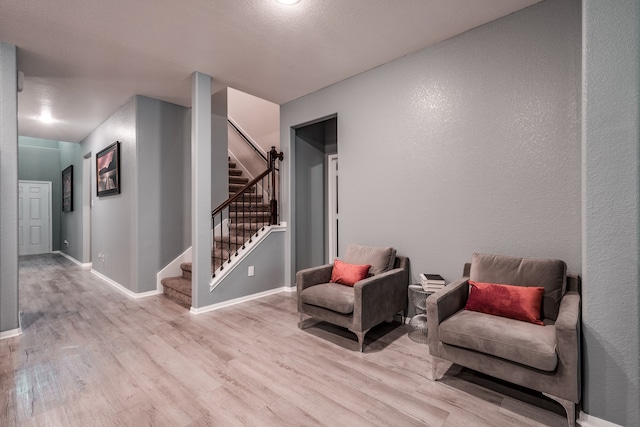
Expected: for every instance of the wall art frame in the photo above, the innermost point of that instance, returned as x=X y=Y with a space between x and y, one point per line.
x=108 y=170
x=67 y=189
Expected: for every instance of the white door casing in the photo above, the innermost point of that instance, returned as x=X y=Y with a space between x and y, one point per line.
x=332 y=207
x=34 y=217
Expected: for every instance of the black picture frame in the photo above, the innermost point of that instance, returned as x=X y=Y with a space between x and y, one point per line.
x=108 y=170
x=67 y=189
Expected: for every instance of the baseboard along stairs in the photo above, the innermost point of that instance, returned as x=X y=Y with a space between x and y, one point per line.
x=179 y=288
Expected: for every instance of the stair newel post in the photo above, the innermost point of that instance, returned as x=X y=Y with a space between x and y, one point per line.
x=273 y=203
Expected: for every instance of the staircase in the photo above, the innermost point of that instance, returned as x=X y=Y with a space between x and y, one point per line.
x=178 y=289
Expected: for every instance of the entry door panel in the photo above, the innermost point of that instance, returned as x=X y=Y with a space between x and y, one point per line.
x=33 y=218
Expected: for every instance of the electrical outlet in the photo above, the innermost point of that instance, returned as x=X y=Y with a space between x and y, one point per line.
x=251 y=271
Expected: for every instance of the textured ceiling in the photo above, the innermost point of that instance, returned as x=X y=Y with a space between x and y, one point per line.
x=82 y=59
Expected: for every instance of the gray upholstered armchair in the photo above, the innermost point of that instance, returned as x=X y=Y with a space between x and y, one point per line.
x=365 y=304
x=544 y=358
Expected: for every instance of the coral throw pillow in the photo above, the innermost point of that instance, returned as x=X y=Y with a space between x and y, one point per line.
x=514 y=302
x=348 y=274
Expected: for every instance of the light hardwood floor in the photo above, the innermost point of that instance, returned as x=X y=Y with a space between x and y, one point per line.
x=90 y=356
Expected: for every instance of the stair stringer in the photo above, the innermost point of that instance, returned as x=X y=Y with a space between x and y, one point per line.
x=232 y=285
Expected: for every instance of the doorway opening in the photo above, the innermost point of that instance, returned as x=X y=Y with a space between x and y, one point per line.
x=316 y=229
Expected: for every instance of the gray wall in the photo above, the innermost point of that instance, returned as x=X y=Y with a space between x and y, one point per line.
x=164 y=196
x=470 y=145
x=39 y=160
x=268 y=268
x=611 y=140
x=71 y=222
x=8 y=188
x=114 y=218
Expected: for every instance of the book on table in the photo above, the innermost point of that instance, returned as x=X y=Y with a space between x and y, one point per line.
x=432 y=282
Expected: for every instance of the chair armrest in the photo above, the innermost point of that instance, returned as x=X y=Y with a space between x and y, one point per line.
x=380 y=296
x=568 y=346
x=313 y=276
x=445 y=303
x=568 y=325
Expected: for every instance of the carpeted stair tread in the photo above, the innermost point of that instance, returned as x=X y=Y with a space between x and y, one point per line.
x=235 y=172
x=178 y=284
x=238 y=180
x=234 y=188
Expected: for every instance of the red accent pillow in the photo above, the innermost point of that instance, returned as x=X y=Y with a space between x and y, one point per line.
x=515 y=302
x=348 y=274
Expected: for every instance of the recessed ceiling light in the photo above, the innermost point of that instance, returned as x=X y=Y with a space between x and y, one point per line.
x=287 y=1
x=46 y=117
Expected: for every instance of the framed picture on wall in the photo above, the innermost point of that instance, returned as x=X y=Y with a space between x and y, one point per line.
x=67 y=189
x=108 y=170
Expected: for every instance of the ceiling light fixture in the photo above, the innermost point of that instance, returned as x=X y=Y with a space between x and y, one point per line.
x=46 y=117
x=288 y=2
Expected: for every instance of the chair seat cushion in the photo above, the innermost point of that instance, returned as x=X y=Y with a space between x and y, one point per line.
x=520 y=342
x=332 y=296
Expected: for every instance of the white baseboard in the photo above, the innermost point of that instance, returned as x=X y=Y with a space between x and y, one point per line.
x=586 y=420
x=290 y=289
x=86 y=265
x=13 y=332
x=10 y=333
x=235 y=301
x=124 y=290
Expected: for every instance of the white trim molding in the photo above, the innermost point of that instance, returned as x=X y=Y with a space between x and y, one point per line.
x=235 y=301
x=122 y=289
x=85 y=265
x=586 y=420
x=13 y=332
x=10 y=333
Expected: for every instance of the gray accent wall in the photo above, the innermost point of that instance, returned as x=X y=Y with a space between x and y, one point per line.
x=164 y=190
x=8 y=188
x=268 y=263
x=471 y=145
x=71 y=222
x=611 y=229
x=114 y=221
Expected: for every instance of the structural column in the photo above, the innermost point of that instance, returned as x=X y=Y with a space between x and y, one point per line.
x=9 y=323
x=611 y=210
x=200 y=183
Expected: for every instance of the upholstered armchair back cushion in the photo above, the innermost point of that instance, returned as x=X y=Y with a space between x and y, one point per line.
x=380 y=259
x=548 y=273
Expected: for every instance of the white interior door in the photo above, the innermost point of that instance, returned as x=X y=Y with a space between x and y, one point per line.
x=34 y=217
x=332 y=208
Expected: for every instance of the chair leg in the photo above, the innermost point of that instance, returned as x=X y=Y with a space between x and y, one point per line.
x=360 y=336
x=303 y=317
x=568 y=406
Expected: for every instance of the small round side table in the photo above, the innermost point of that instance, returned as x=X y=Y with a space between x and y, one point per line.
x=418 y=323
